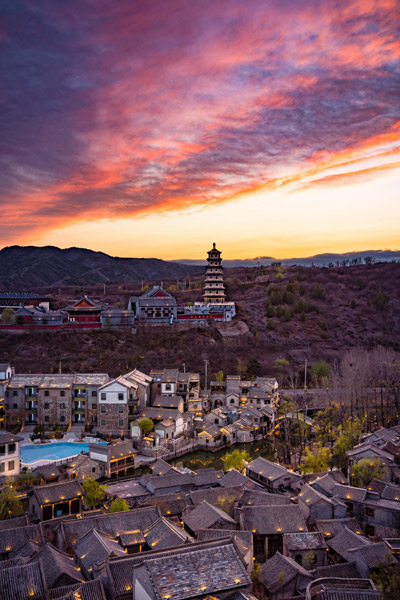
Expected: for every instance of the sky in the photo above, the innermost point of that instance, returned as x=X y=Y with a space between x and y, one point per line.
x=154 y=128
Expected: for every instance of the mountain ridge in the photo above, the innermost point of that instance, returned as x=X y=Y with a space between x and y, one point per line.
x=25 y=267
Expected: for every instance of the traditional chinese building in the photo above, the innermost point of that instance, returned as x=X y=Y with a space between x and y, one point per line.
x=154 y=306
x=84 y=310
x=214 y=289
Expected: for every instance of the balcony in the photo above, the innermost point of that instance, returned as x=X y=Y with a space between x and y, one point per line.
x=31 y=407
x=78 y=409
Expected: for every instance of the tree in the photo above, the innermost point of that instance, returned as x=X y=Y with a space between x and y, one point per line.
x=327 y=419
x=226 y=503
x=119 y=505
x=281 y=369
x=387 y=579
x=219 y=376
x=317 y=463
x=319 y=371
x=7 y=315
x=253 y=367
x=349 y=434
x=94 y=492
x=10 y=506
x=236 y=460
x=364 y=471
x=146 y=425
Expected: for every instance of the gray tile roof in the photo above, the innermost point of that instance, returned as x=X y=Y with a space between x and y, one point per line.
x=331 y=527
x=168 y=402
x=233 y=477
x=261 y=498
x=57 y=566
x=121 y=449
x=198 y=571
x=112 y=524
x=132 y=538
x=272 y=569
x=205 y=515
x=160 y=467
x=346 y=570
x=310 y=496
x=163 y=534
x=57 y=492
x=270 y=520
x=205 y=535
x=22 y=582
x=269 y=469
x=345 y=541
x=304 y=541
x=95 y=547
x=7 y=438
x=11 y=540
x=14 y=523
x=168 y=504
x=215 y=495
x=347 y=492
x=89 y=590
x=372 y=555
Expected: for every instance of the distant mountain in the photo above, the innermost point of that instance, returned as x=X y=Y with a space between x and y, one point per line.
x=27 y=267
x=318 y=260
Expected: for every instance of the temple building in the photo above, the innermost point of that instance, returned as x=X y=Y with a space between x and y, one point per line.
x=214 y=289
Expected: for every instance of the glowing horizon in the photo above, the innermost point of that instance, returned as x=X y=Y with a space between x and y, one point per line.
x=154 y=129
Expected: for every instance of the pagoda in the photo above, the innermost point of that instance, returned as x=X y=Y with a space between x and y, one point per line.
x=214 y=289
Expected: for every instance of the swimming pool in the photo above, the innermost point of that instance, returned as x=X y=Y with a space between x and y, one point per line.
x=36 y=453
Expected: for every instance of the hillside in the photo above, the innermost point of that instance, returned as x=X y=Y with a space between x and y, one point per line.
x=293 y=312
x=27 y=267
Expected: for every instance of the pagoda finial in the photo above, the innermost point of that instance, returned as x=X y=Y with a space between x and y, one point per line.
x=213 y=245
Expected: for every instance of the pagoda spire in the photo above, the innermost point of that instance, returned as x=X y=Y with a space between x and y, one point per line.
x=214 y=289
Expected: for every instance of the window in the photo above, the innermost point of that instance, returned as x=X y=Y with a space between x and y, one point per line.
x=299 y=559
x=62 y=405
x=103 y=422
x=369 y=512
x=103 y=409
x=120 y=423
x=2 y=467
x=94 y=406
x=2 y=450
x=15 y=405
x=120 y=396
x=168 y=387
x=62 y=393
x=120 y=409
x=46 y=419
x=11 y=448
x=93 y=469
x=349 y=505
x=94 y=394
x=15 y=393
x=103 y=395
x=46 y=405
x=11 y=465
x=370 y=530
x=62 y=419
x=46 y=392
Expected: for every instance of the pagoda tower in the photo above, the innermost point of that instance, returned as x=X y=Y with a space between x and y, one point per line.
x=214 y=289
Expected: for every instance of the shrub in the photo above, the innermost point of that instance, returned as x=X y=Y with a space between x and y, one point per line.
x=318 y=292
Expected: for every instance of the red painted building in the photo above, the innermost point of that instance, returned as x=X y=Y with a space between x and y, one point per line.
x=84 y=311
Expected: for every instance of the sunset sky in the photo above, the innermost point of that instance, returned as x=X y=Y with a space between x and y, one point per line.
x=155 y=127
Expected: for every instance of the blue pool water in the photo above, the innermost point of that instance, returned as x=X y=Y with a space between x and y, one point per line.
x=57 y=451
